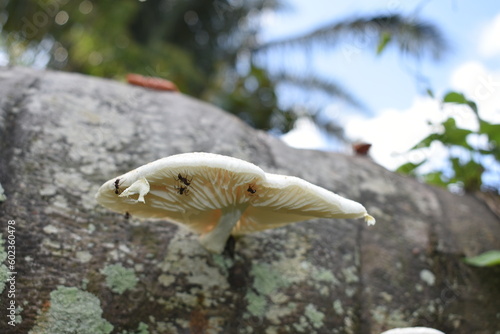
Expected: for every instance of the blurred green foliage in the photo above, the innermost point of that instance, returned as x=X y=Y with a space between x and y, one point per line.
x=192 y=43
x=486 y=259
x=467 y=162
x=209 y=48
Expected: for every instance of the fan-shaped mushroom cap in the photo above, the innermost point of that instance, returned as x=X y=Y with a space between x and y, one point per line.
x=216 y=196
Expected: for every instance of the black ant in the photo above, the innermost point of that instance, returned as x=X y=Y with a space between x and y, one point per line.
x=183 y=179
x=117 y=186
x=127 y=215
x=251 y=189
x=182 y=190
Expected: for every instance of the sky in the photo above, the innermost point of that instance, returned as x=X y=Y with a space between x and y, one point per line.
x=399 y=109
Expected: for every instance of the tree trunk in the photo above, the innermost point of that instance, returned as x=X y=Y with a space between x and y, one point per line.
x=80 y=268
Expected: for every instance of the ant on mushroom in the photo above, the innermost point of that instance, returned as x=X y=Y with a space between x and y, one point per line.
x=251 y=189
x=117 y=186
x=183 y=179
x=182 y=190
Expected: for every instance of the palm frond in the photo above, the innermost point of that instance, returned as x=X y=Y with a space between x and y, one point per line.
x=411 y=35
x=315 y=83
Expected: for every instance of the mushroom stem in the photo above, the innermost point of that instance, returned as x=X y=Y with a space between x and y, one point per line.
x=215 y=240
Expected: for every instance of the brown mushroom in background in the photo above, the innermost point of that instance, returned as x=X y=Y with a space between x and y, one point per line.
x=361 y=148
x=151 y=82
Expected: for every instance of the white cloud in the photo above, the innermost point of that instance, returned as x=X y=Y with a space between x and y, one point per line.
x=489 y=42
x=481 y=86
x=393 y=132
x=305 y=135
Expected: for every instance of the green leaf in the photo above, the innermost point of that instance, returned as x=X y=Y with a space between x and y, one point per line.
x=435 y=178
x=409 y=168
x=491 y=130
x=385 y=38
x=454 y=97
x=429 y=92
x=493 y=133
x=427 y=141
x=454 y=135
x=469 y=174
x=459 y=98
x=487 y=259
x=473 y=106
x=496 y=152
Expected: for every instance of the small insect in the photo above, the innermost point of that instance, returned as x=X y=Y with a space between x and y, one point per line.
x=184 y=180
x=182 y=190
x=117 y=186
x=127 y=215
x=251 y=189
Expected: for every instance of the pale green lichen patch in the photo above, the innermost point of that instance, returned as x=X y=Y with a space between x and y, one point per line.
x=166 y=280
x=91 y=228
x=187 y=258
x=48 y=190
x=266 y=282
x=223 y=262
x=4 y=271
x=350 y=274
x=50 y=229
x=337 y=307
x=57 y=248
x=288 y=270
x=83 y=256
x=266 y=279
x=19 y=319
x=301 y=326
x=118 y=278
x=186 y=262
x=386 y=316
x=324 y=275
x=314 y=316
x=141 y=329
x=72 y=311
x=59 y=205
x=2 y=194
x=85 y=283
x=389 y=317
x=256 y=304
x=276 y=312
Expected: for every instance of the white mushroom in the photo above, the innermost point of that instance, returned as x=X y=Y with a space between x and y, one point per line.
x=216 y=196
x=140 y=187
x=413 y=330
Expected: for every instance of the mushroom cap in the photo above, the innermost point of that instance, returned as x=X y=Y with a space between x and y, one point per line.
x=194 y=189
x=413 y=330
x=287 y=199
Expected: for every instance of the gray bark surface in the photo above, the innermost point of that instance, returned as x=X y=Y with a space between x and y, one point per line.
x=83 y=269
